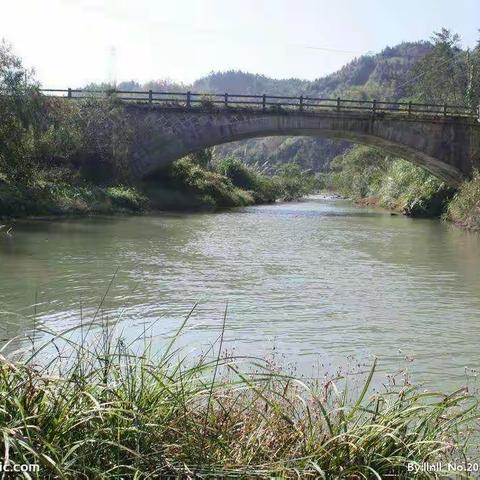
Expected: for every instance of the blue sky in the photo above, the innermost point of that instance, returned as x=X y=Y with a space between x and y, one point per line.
x=71 y=42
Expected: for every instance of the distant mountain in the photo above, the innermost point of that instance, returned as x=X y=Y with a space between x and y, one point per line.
x=236 y=81
x=388 y=69
x=382 y=74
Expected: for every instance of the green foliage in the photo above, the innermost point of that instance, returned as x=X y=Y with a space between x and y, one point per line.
x=107 y=411
x=395 y=183
x=54 y=154
x=294 y=183
x=263 y=188
x=447 y=74
x=464 y=209
x=20 y=105
x=202 y=157
x=59 y=196
x=358 y=172
x=413 y=190
x=444 y=74
x=126 y=198
x=37 y=132
x=240 y=174
x=212 y=188
x=229 y=182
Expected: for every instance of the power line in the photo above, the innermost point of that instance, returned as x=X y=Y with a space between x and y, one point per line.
x=335 y=50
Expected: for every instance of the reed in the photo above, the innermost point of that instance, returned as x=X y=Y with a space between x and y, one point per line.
x=99 y=408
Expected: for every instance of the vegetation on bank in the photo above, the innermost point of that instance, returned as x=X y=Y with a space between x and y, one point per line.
x=45 y=197
x=107 y=411
x=199 y=181
x=370 y=177
x=61 y=157
x=464 y=209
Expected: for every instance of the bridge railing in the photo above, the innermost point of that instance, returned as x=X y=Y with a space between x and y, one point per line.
x=266 y=103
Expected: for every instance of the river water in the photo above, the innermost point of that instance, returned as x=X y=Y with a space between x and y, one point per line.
x=319 y=283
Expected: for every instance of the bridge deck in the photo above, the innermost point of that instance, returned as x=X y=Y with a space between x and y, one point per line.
x=268 y=103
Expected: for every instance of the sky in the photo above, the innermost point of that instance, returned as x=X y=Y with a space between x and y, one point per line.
x=73 y=42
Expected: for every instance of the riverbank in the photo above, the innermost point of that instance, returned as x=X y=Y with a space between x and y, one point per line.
x=186 y=185
x=109 y=412
x=63 y=199
x=370 y=178
x=462 y=207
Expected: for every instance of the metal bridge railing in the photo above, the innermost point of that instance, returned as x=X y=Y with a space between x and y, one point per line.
x=266 y=103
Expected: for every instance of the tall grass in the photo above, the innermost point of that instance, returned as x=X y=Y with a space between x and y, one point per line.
x=365 y=172
x=99 y=408
x=464 y=209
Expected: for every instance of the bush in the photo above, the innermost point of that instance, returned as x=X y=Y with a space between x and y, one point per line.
x=215 y=189
x=358 y=172
x=202 y=158
x=263 y=188
x=395 y=183
x=464 y=209
x=126 y=198
x=47 y=195
x=294 y=183
x=240 y=174
x=20 y=105
x=413 y=190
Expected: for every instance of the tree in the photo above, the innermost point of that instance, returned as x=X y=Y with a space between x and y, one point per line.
x=20 y=117
x=473 y=77
x=444 y=74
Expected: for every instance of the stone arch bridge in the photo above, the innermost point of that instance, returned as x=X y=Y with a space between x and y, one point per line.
x=443 y=139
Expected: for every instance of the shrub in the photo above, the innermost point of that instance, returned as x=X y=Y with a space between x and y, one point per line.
x=210 y=186
x=202 y=158
x=358 y=172
x=263 y=188
x=20 y=104
x=127 y=198
x=294 y=183
x=464 y=209
x=397 y=184
x=240 y=174
x=413 y=190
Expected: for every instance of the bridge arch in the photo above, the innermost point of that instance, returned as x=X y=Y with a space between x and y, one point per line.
x=449 y=147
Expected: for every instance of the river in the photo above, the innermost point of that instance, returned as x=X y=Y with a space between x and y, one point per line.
x=319 y=284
